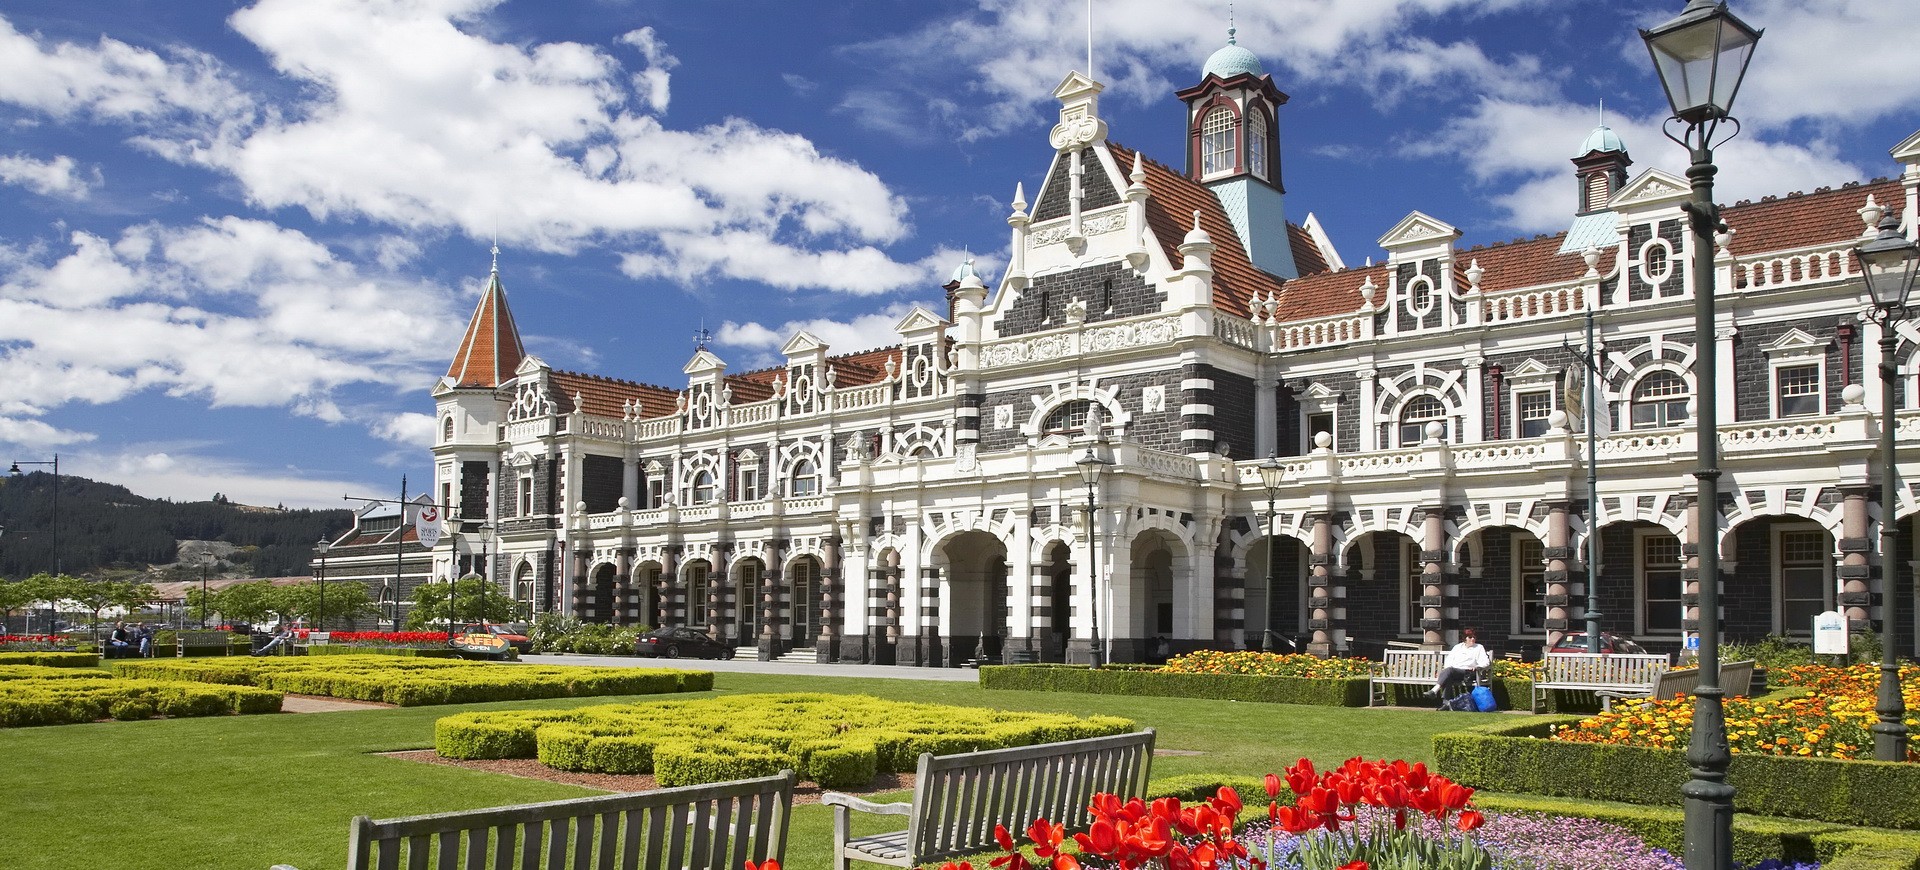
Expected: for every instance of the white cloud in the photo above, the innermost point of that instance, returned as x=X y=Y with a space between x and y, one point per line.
x=763 y=342
x=652 y=82
x=239 y=312
x=411 y=429
x=58 y=177
x=114 y=80
x=164 y=472
x=1522 y=153
x=1797 y=73
x=36 y=434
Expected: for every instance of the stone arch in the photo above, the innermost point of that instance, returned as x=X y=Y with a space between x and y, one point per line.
x=1114 y=416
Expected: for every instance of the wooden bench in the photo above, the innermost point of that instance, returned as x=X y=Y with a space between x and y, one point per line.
x=1598 y=672
x=718 y=826
x=201 y=640
x=959 y=799
x=1736 y=678
x=1403 y=667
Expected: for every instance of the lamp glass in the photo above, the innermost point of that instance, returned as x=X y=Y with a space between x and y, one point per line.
x=1090 y=466
x=323 y=545
x=1701 y=57
x=1270 y=473
x=1888 y=264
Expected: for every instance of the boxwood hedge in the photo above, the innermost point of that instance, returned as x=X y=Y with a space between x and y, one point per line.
x=52 y=659
x=412 y=682
x=835 y=740
x=1346 y=692
x=63 y=700
x=1519 y=757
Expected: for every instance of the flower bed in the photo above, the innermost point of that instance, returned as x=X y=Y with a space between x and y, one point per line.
x=36 y=695
x=1827 y=717
x=410 y=682
x=1519 y=756
x=1260 y=664
x=1325 y=692
x=29 y=643
x=404 y=639
x=838 y=741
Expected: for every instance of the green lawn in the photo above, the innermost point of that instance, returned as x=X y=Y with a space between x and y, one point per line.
x=250 y=792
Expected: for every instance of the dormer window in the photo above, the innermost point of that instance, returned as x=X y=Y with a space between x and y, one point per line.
x=702 y=487
x=1257 y=143
x=1216 y=142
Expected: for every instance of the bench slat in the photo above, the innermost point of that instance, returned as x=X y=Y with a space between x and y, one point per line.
x=503 y=843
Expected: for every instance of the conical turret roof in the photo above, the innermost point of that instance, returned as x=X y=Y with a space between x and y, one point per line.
x=491 y=349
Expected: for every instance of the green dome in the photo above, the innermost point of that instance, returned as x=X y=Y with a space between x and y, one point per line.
x=1601 y=139
x=1231 y=60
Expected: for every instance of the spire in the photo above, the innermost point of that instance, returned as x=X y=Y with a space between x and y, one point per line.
x=491 y=349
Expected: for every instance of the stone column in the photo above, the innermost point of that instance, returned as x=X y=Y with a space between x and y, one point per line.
x=1321 y=590
x=1558 y=551
x=1434 y=623
x=827 y=646
x=887 y=649
x=1040 y=593
x=718 y=567
x=663 y=586
x=772 y=594
x=1690 y=573
x=579 y=583
x=623 y=588
x=930 y=652
x=1856 y=572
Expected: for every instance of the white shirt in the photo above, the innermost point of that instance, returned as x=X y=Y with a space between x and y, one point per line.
x=1467 y=655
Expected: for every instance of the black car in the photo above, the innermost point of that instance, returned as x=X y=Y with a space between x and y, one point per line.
x=1576 y=642
x=679 y=642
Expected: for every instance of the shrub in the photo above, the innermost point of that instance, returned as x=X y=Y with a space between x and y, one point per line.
x=835 y=740
x=130 y=709
x=1329 y=692
x=409 y=681
x=51 y=659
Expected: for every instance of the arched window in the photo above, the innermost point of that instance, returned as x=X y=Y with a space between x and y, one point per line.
x=446 y=430
x=1415 y=415
x=806 y=479
x=1256 y=125
x=1216 y=142
x=1660 y=399
x=703 y=487
x=1068 y=419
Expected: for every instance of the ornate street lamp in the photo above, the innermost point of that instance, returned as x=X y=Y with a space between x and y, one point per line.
x=1090 y=468
x=320 y=618
x=53 y=530
x=1888 y=263
x=1701 y=56
x=486 y=568
x=1271 y=473
x=206 y=562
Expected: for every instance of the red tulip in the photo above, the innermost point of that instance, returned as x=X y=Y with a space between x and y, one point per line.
x=1470 y=820
x=770 y=864
x=1273 y=786
x=1357 y=865
x=1227 y=801
x=1301 y=777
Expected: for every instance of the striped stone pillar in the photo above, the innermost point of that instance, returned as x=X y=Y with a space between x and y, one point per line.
x=1434 y=623
x=579 y=584
x=930 y=647
x=1231 y=619
x=1856 y=572
x=1040 y=592
x=772 y=597
x=663 y=586
x=1557 y=549
x=1322 y=618
x=623 y=588
x=832 y=585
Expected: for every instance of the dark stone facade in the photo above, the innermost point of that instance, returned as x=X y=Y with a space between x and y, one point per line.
x=1159 y=430
x=1753 y=371
x=1096 y=190
x=1404 y=275
x=476 y=486
x=1110 y=290
x=1233 y=416
x=1571 y=377
x=601 y=483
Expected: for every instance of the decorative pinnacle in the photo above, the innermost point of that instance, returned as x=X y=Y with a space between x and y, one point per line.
x=496 y=256
x=1230 y=38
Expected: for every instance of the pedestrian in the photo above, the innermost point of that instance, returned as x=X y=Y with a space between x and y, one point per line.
x=146 y=641
x=1461 y=662
x=121 y=643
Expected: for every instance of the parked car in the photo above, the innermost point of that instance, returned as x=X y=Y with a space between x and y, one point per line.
x=1576 y=642
x=672 y=642
x=513 y=633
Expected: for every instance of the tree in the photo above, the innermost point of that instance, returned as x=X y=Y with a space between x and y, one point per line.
x=430 y=603
x=346 y=600
x=95 y=596
x=53 y=589
x=200 y=605
x=15 y=596
x=245 y=602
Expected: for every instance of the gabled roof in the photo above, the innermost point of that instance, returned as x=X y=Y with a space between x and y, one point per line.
x=1172 y=200
x=603 y=396
x=491 y=349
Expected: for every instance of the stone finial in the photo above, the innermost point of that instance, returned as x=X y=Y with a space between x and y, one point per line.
x=1435 y=430
x=1019 y=199
x=1592 y=257
x=1870 y=215
x=1323 y=441
x=1853 y=397
x=1475 y=273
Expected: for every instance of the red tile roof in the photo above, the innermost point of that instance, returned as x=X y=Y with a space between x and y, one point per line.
x=603 y=396
x=490 y=350
x=1800 y=219
x=1172 y=200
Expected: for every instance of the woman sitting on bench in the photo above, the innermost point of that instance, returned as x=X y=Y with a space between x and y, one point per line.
x=1461 y=662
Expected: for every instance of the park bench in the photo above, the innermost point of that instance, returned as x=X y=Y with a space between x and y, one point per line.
x=1403 y=667
x=1598 y=672
x=1736 y=678
x=201 y=640
x=959 y=799
x=717 y=826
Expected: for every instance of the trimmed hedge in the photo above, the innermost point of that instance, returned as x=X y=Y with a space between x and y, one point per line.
x=1349 y=692
x=837 y=741
x=48 y=672
x=1520 y=757
x=1755 y=839
x=64 y=701
x=412 y=682
x=51 y=659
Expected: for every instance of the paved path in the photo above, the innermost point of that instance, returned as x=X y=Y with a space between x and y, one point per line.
x=742 y=666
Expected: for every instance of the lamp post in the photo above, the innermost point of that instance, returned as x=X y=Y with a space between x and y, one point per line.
x=53 y=529
x=320 y=618
x=1701 y=56
x=486 y=569
x=1888 y=263
x=1270 y=474
x=1090 y=468
x=206 y=561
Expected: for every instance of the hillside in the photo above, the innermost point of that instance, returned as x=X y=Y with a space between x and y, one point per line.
x=105 y=529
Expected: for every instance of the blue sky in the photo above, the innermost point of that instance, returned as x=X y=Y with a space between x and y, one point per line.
x=240 y=240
